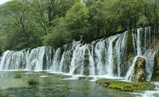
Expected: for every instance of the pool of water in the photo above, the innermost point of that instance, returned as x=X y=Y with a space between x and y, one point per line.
x=15 y=84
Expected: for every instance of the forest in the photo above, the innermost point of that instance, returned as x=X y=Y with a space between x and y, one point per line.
x=33 y=23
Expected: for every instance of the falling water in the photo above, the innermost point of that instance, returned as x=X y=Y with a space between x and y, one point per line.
x=119 y=51
x=91 y=64
x=56 y=61
x=142 y=49
x=77 y=62
x=137 y=43
x=110 y=56
x=103 y=57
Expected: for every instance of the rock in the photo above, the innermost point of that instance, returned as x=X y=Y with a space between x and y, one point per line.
x=155 y=75
x=140 y=72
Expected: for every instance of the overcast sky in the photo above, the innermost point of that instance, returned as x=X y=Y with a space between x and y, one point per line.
x=3 y=1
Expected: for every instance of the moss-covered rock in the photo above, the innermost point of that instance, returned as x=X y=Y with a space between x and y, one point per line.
x=155 y=75
x=125 y=86
x=140 y=72
x=130 y=41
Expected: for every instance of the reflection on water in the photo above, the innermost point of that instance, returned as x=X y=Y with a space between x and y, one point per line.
x=51 y=85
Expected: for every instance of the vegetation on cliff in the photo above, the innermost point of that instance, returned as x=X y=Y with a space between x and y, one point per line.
x=155 y=74
x=32 y=23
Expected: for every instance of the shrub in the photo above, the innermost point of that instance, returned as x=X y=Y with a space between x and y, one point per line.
x=33 y=79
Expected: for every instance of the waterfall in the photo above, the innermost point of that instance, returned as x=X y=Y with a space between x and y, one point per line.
x=106 y=57
x=120 y=51
x=149 y=56
x=131 y=70
x=143 y=48
x=77 y=62
x=56 y=60
x=137 y=43
x=99 y=51
x=91 y=64
x=12 y=60
x=110 y=56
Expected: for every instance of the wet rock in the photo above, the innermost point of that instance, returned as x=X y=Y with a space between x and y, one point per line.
x=140 y=72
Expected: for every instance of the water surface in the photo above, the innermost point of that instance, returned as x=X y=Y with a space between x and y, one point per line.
x=15 y=84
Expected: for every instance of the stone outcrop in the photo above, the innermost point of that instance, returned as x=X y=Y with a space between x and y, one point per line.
x=155 y=75
x=139 y=72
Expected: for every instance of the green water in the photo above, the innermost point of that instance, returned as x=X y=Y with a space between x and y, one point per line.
x=15 y=84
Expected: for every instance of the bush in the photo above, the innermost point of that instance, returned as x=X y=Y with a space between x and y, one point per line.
x=17 y=76
x=33 y=79
x=33 y=82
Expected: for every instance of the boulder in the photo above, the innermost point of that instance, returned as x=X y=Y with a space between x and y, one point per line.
x=139 y=72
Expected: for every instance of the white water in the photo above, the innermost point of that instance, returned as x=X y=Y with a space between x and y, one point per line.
x=110 y=56
x=56 y=61
x=104 y=57
x=119 y=51
x=149 y=93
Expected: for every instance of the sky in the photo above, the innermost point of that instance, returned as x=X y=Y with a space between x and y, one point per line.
x=3 y=1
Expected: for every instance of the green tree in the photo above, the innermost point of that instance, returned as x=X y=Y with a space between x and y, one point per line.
x=45 y=11
x=151 y=11
x=58 y=36
x=18 y=26
x=97 y=14
x=77 y=21
x=124 y=13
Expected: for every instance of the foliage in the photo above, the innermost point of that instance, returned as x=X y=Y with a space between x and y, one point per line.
x=32 y=23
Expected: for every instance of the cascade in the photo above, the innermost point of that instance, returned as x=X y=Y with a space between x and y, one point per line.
x=109 y=56
x=120 y=47
x=143 y=48
x=137 y=43
x=78 y=57
x=56 y=60
x=104 y=57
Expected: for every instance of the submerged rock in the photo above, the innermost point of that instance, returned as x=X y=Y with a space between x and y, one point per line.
x=139 y=72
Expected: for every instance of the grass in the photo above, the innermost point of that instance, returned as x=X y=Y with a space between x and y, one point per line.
x=125 y=86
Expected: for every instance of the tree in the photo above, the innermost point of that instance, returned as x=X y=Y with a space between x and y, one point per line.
x=18 y=26
x=125 y=13
x=77 y=21
x=97 y=14
x=58 y=36
x=151 y=11
x=45 y=11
